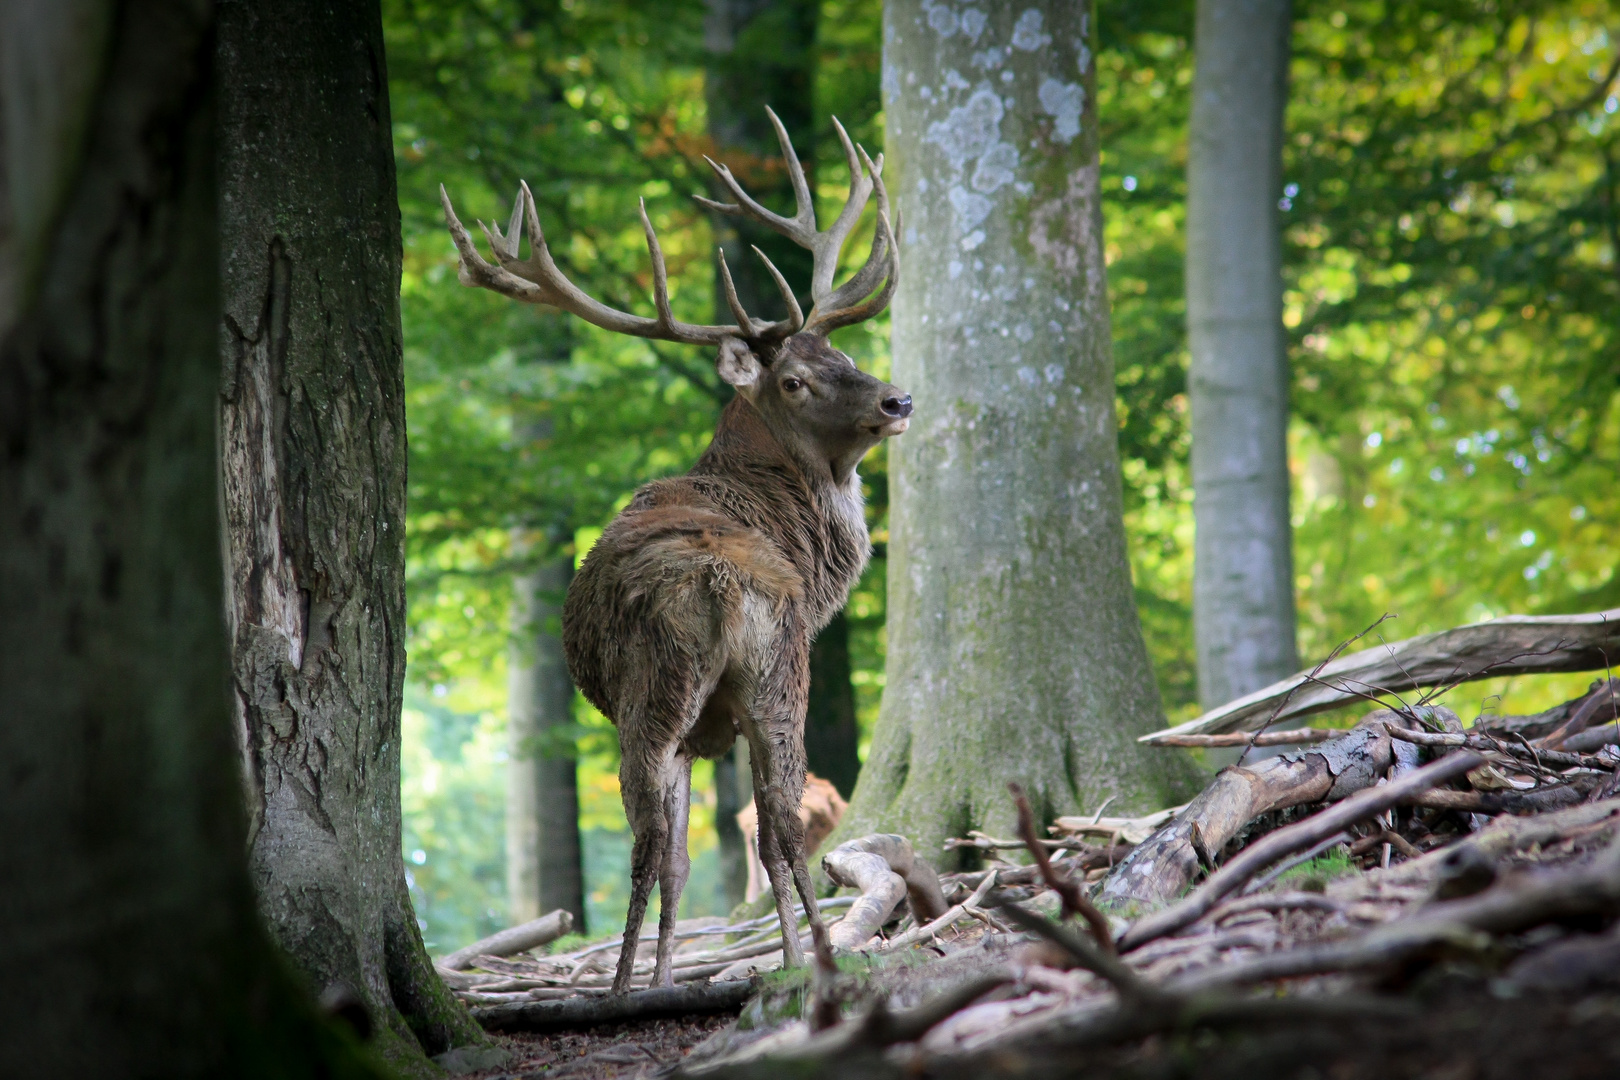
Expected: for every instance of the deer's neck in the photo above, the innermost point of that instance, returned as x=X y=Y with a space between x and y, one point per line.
x=818 y=519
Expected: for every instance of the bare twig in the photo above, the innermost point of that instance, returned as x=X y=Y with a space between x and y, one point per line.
x=1075 y=901
x=1291 y=737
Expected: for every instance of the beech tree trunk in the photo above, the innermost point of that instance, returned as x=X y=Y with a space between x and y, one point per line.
x=313 y=437
x=129 y=944
x=1015 y=652
x=544 y=870
x=1243 y=571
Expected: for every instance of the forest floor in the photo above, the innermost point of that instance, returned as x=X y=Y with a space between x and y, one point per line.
x=623 y=1051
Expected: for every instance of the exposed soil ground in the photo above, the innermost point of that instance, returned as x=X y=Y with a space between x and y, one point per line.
x=623 y=1051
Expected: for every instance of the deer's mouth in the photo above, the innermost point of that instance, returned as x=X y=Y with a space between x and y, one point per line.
x=890 y=428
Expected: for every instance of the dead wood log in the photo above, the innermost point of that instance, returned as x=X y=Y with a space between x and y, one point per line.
x=1600 y=706
x=515 y=939
x=1500 y=747
x=955 y=913
x=884 y=868
x=1163 y=864
x=1297 y=837
x=608 y=1008
x=1513 y=644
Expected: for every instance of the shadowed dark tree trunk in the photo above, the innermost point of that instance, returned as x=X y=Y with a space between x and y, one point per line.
x=544 y=870
x=831 y=734
x=760 y=52
x=129 y=943
x=313 y=438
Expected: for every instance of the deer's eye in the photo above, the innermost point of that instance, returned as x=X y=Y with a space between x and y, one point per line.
x=791 y=384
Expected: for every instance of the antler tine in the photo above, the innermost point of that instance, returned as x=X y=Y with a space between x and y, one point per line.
x=795 y=317
x=805 y=217
x=737 y=311
x=537 y=280
x=474 y=272
x=666 y=318
x=507 y=243
x=839 y=307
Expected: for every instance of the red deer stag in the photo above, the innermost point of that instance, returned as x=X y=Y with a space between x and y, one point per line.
x=691 y=619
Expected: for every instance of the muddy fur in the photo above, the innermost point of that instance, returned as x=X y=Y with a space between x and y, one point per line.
x=690 y=621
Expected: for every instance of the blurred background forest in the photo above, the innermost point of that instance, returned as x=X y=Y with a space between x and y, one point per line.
x=1450 y=232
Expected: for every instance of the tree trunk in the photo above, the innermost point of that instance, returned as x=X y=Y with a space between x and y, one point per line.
x=1014 y=648
x=313 y=437
x=1243 y=571
x=759 y=53
x=544 y=871
x=831 y=734
x=129 y=945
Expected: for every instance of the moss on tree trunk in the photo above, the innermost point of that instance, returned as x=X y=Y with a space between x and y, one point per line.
x=313 y=438
x=1014 y=648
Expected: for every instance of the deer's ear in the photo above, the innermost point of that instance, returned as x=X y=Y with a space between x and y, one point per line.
x=738 y=365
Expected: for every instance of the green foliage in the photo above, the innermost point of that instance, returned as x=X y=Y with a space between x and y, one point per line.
x=1315 y=875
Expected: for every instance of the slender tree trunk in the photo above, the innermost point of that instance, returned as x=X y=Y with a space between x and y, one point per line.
x=129 y=944
x=1014 y=648
x=831 y=734
x=1243 y=575
x=760 y=52
x=313 y=438
x=544 y=870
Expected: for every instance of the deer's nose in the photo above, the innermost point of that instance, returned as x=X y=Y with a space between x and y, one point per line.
x=898 y=407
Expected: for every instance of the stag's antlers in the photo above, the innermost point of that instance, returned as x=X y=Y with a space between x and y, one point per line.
x=536 y=280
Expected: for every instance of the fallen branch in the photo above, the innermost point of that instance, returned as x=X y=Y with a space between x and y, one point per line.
x=516 y=939
x=1163 y=864
x=884 y=868
x=1537 y=801
x=1286 y=841
x=1291 y=737
x=607 y=1008
x=926 y=933
x=1511 y=645
x=1488 y=744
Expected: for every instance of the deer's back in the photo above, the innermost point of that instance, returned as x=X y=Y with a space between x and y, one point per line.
x=676 y=575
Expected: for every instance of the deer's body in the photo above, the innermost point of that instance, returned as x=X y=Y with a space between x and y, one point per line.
x=691 y=619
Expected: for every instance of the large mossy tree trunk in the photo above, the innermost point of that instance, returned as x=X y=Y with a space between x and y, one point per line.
x=759 y=53
x=544 y=868
x=1237 y=381
x=1014 y=647
x=313 y=439
x=129 y=942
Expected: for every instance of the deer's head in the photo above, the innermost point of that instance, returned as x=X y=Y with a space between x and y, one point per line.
x=811 y=396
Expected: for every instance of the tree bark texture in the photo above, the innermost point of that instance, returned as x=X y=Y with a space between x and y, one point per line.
x=1014 y=647
x=129 y=944
x=313 y=440
x=831 y=733
x=544 y=869
x=1243 y=571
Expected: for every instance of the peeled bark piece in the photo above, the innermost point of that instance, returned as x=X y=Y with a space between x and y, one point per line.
x=514 y=939
x=884 y=868
x=1162 y=865
x=1511 y=645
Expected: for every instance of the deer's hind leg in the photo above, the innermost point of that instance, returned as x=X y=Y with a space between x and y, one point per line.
x=776 y=740
x=641 y=784
x=676 y=866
